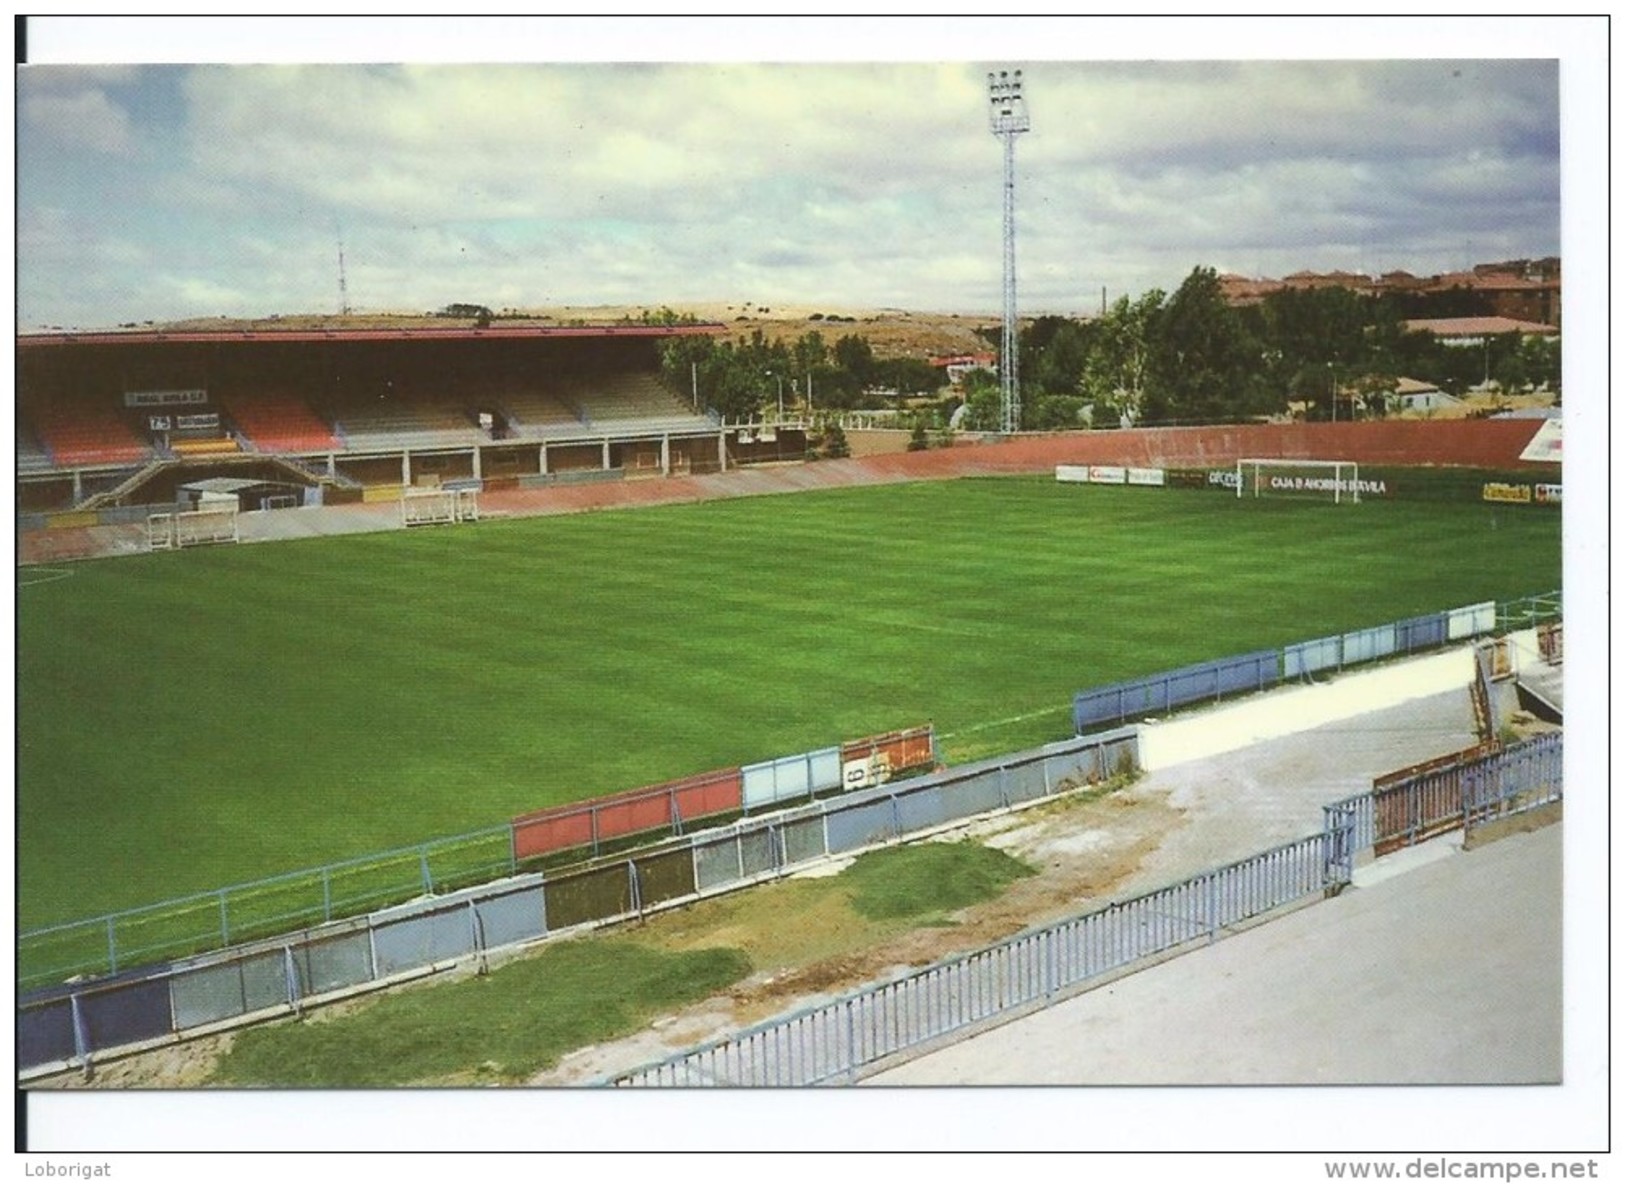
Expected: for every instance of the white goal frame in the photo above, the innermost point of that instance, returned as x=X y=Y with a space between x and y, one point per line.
x=432 y=507
x=1344 y=483
x=201 y=528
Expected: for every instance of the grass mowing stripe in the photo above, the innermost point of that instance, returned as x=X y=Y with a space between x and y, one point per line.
x=203 y=718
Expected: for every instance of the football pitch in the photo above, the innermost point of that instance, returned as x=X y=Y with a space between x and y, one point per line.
x=197 y=719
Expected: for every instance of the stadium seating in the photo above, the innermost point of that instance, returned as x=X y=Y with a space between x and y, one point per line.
x=280 y=421
x=535 y=414
x=630 y=401
x=208 y=446
x=88 y=434
x=404 y=420
x=31 y=454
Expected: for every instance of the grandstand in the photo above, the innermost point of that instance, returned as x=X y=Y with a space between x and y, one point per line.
x=119 y=420
x=279 y=421
x=88 y=433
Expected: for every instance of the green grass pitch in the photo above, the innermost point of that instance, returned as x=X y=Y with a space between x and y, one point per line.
x=191 y=720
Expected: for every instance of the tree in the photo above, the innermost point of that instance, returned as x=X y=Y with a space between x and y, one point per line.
x=854 y=355
x=1114 y=370
x=1055 y=352
x=984 y=402
x=1053 y=413
x=1203 y=366
x=808 y=355
x=730 y=378
x=918 y=441
x=832 y=442
x=909 y=376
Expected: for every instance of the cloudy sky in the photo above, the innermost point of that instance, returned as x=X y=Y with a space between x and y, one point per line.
x=151 y=192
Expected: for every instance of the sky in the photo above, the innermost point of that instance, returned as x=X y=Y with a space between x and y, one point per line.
x=729 y=174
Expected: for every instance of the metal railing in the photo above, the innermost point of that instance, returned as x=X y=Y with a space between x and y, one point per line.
x=70 y=1023
x=217 y=918
x=837 y=1041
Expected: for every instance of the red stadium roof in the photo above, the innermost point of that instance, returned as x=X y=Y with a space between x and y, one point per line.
x=495 y=332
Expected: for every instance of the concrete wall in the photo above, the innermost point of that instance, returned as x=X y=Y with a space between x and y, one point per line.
x=1294 y=709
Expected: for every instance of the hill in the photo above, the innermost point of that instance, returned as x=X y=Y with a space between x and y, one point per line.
x=890 y=332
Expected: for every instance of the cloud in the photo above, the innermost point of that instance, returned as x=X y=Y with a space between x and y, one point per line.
x=835 y=184
x=77 y=118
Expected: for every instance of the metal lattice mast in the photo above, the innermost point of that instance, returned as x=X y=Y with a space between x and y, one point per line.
x=1007 y=118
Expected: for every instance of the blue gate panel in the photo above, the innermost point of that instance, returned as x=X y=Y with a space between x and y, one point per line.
x=790 y=779
x=1365 y=645
x=716 y=864
x=1073 y=770
x=1307 y=657
x=756 y=852
x=803 y=841
x=329 y=965
x=1025 y=783
x=1193 y=683
x=45 y=1034
x=1090 y=708
x=1248 y=672
x=418 y=941
x=971 y=795
x=922 y=808
x=826 y=768
x=759 y=785
x=265 y=980
x=126 y=1014
x=207 y=996
x=1420 y=633
x=1120 y=756
x=514 y=917
x=859 y=826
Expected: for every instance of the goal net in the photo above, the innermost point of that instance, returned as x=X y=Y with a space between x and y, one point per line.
x=1335 y=481
x=200 y=528
x=426 y=507
x=430 y=506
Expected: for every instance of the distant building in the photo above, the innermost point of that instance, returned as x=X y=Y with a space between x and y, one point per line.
x=1529 y=290
x=1468 y=331
x=958 y=365
x=1412 y=394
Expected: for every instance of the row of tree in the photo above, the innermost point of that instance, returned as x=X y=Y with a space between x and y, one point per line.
x=1184 y=357
x=739 y=379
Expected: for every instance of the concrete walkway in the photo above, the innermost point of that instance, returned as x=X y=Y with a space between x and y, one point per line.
x=1438 y=967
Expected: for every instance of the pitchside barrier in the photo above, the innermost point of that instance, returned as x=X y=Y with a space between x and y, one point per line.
x=672 y=805
x=1208 y=682
x=68 y=1025
x=315 y=896
x=838 y=1041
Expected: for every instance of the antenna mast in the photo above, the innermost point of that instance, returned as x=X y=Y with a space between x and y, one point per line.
x=344 y=288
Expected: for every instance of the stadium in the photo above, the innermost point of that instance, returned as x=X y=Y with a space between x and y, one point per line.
x=321 y=655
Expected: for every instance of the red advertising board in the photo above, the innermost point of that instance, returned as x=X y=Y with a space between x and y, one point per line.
x=653 y=807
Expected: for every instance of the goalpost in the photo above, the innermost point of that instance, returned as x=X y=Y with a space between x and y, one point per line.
x=428 y=507
x=1337 y=481
x=192 y=528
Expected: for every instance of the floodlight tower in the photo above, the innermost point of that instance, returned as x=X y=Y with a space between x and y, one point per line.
x=1007 y=118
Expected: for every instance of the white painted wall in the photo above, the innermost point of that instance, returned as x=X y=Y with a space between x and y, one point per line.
x=1232 y=726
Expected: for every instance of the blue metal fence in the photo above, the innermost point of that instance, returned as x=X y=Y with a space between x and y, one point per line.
x=70 y=1024
x=1207 y=682
x=1203 y=682
x=839 y=1040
